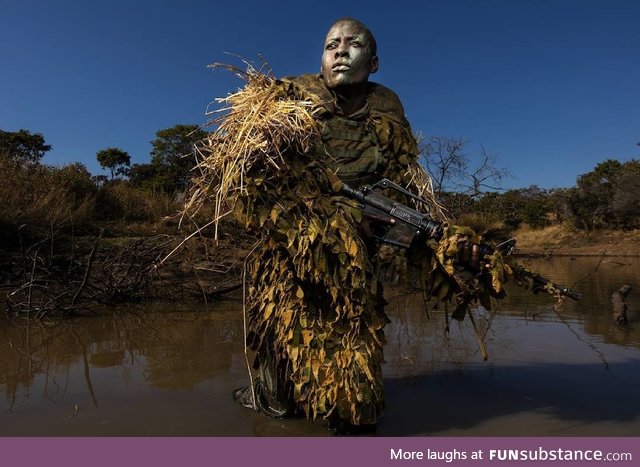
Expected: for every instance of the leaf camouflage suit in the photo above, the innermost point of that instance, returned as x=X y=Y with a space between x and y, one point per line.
x=315 y=307
x=316 y=311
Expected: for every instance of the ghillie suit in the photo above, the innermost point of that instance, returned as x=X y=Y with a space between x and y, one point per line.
x=315 y=306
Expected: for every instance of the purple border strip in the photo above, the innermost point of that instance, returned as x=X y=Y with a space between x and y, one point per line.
x=317 y=452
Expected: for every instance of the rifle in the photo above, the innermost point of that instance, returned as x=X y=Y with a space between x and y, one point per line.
x=400 y=225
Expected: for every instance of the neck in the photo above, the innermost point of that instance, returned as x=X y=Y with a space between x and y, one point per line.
x=351 y=98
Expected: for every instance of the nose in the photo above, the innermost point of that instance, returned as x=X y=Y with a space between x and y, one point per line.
x=342 y=50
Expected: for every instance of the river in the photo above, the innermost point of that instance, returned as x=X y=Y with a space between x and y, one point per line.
x=159 y=370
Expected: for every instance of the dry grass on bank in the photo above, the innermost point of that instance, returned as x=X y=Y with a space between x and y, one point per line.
x=565 y=240
x=38 y=199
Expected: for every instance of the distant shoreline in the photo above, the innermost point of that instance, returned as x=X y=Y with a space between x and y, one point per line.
x=563 y=241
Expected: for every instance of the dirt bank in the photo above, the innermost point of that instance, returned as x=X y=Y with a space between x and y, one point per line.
x=561 y=240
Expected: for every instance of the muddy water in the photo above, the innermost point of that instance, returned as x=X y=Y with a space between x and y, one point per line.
x=167 y=371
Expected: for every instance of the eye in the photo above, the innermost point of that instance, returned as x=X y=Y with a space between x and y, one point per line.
x=331 y=45
x=356 y=44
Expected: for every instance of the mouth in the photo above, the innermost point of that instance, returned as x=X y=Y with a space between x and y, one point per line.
x=340 y=67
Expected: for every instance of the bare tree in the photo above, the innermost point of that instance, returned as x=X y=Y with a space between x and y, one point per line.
x=452 y=171
x=445 y=161
x=486 y=176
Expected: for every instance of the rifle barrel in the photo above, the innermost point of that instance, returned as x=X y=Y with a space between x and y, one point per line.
x=544 y=282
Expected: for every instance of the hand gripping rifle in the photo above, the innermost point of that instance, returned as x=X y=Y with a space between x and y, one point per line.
x=397 y=224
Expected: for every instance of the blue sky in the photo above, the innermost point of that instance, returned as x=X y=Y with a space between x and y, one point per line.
x=550 y=87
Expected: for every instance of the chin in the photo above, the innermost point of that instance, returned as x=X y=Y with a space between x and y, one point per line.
x=340 y=83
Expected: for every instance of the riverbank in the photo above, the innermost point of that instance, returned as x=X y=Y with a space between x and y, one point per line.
x=65 y=275
x=561 y=240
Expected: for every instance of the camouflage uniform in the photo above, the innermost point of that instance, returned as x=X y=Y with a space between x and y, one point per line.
x=316 y=311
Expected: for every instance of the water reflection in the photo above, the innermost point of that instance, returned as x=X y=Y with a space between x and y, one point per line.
x=570 y=371
x=597 y=279
x=92 y=362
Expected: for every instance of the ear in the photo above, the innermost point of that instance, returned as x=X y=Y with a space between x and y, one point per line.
x=374 y=64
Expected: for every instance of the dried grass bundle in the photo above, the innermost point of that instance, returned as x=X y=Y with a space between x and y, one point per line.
x=421 y=184
x=256 y=125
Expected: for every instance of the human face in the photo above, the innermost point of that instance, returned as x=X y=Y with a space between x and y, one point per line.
x=347 y=58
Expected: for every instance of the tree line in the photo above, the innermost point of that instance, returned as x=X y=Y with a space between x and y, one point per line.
x=606 y=197
x=39 y=195
x=168 y=170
